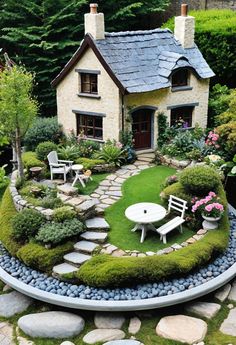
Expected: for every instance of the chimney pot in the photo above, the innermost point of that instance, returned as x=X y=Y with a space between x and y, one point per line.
x=184 y=10
x=93 y=8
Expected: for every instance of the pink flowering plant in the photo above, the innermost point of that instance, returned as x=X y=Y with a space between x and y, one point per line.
x=212 y=140
x=209 y=206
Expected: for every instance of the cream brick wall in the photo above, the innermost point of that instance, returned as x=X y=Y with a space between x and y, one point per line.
x=109 y=103
x=165 y=97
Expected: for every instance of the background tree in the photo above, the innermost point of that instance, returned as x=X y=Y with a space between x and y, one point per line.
x=17 y=107
x=43 y=34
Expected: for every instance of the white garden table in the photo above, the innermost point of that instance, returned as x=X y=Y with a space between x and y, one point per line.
x=77 y=169
x=144 y=214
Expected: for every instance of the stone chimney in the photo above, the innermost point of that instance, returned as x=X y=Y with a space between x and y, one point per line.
x=184 y=28
x=94 y=23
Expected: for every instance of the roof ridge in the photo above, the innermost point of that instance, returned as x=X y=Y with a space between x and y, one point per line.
x=138 y=32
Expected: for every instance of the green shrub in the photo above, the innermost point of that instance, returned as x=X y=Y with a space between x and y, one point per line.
x=69 y=152
x=57 y=232
x=4 y=180
x=63 y=213
x=43 y=129
x=178 y=190
x=30 y=160
x=38 y=257
x=111 y=153
x=7 y=212
x=199 y=180
x=88 y=147
x=89 y=163
x=44 y=148
x=26 y=224
x=52 y=203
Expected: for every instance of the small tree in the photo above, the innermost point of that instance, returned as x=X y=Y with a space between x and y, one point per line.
x=17 y=108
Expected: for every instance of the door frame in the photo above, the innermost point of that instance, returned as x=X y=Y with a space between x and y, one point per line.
x=152 y=113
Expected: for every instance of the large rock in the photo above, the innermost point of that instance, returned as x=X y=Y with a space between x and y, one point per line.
x=229 y=325
x=223 y=293
x=101 y=335
x=123 y=342
x=109 y=320
x=232 y=294
x=182 y=328
x=67 y=189
x=52 y=324
x=203 y=309
x=13 y=303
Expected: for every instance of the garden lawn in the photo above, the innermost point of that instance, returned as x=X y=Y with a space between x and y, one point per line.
x=145 y=187
x=91 y=185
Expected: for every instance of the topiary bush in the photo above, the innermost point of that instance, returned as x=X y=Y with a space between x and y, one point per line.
x=199 y=180
x=63 y=213
x=43 y=129
x=55 y=233
x=30 y=160
x=178 y=190
x=89 y=163
x=44 y=148
x=26 y=224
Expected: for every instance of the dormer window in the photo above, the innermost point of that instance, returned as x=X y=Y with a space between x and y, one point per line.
x=89 y=83
x=180 y=78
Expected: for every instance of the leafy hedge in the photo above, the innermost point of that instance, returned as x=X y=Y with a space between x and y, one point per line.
x=215 y=36
x=31 y=254
x=30 y=160
x=107 y=271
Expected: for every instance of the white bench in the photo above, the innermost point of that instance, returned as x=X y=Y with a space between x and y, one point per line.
x=176 y=204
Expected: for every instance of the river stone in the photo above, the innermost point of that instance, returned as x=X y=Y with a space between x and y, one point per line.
x=182 y=328
x=67 y=343
x=101 y=335
x=223 y=293
x=13 y=303
x=134 y=325
x=109 y=320
x=203 y=309
x=52 y=324
x=229 y=325
x=232 y=294
x=123 y=342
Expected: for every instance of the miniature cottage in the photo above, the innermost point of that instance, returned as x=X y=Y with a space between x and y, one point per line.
x=122 y=80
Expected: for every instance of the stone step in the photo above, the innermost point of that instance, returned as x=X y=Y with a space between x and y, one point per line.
x=98 y=237
x=85 y=246
x=64 y=268
x=97 y=224
x=67 y=189
x=145 y=159
x=76 y=259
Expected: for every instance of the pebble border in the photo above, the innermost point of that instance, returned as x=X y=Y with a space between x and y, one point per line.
x=146 y=296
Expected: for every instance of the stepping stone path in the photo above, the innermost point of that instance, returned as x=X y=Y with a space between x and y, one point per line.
x=182 y=328
x=229 y=325
x=103 y=335
x=13 y=303
x=232 y=294
x=53 y=324
x=123 y=342
x=134 y=325
x=223 y=293
x=6 y=334
x=109 y=320
x=203 y=309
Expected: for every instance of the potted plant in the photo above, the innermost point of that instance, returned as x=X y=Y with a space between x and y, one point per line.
x=210 y=209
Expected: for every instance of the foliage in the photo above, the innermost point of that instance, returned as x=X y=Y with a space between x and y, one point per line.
x=63 y=213
x=229 y=168
x=55 y=233
x=162 y=126
x=40 y=258
x=170 y=180
x=17 y=107
x=218 y=103
x=68 y=152
x=88 y=147
x=4 y=180
x=26 y=224
x=44 y=148
x=127 y=140
x=215 y=36
x=199 y=180
x=111 y=152
x=209 y=206
x=43 y=35
x=194 y=154
x=30 y=160
x=43 y=129
x=178 y=190
x=89 y=163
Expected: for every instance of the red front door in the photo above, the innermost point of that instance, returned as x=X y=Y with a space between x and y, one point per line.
x=141 y=128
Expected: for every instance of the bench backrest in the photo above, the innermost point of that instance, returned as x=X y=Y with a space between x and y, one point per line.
x=177 y=204
x=52 y=157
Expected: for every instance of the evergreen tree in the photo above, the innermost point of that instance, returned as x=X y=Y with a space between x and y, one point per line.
x=43 y=34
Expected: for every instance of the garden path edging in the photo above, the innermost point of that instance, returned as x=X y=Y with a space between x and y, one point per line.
x=150 y=303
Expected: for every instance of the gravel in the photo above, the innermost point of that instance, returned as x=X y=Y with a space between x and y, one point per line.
x=161 y=288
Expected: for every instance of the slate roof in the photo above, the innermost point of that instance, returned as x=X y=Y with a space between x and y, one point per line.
x=144 y=60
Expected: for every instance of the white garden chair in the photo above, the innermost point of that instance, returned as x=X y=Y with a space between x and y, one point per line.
x=178 y=205
x=58 y=166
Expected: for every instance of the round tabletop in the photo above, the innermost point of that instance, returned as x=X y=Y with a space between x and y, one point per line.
x=77 y=167
x=145 y=212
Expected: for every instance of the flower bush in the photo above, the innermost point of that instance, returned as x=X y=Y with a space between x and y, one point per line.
x=112 y=152
x=213 y=140
x=208 y=206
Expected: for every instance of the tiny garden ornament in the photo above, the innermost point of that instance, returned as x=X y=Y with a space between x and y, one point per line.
x=211 y=210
